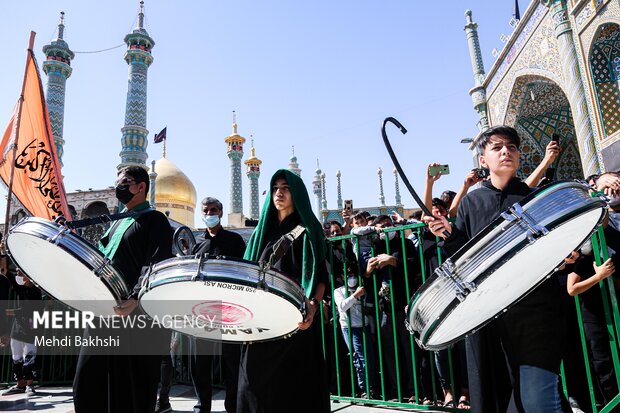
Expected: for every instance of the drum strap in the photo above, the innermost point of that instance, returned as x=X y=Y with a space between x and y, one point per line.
x=284 y=244
x=103 y=219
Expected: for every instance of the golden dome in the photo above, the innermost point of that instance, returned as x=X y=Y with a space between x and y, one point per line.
x=174 y=192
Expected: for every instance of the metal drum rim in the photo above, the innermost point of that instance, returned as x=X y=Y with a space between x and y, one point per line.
x=292 y=292
x=292 y=288
x=429 y=330
x=92 y=258
x=423 y=336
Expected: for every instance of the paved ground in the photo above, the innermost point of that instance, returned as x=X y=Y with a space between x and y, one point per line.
x=182 y=399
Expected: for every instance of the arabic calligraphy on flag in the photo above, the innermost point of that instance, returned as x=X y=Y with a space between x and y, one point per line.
x=37 y=181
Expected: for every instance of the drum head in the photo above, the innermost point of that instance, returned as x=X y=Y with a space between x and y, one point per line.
x=60 y=274
x=501 y=279
x=223 y=303
x=224 y=311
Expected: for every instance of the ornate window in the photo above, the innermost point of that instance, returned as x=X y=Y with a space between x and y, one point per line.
x=94 y=233
x=605 y=67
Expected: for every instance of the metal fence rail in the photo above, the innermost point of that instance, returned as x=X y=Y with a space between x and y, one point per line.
x=410 y=394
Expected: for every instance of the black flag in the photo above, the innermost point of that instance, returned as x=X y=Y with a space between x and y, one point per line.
x=160 y=136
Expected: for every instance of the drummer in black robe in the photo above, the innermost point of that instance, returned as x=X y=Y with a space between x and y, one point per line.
x=531 y=333
x=127 y=383
x=288 y=375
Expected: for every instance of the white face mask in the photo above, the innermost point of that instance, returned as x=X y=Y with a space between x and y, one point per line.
x=211 y=221
x=352 y=282
x=586 y=249
x=390 y=235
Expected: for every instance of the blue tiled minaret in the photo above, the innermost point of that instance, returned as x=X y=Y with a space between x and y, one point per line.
x=478 y=93
x=323 y=192
x=397 y=197
x=235 y=153
x=293 y=166
x=253 y=173
x=57 y=67
x=381 y=195
x=317 y=189
x=338 y=175
x=138 y=57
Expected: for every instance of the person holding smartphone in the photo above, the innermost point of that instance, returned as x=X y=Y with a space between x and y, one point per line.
x=434 y=171
x=551 y=153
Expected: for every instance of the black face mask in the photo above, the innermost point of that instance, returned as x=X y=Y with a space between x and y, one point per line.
x=123 y=194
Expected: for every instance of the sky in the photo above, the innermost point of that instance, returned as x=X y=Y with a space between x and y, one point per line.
x=320 y=75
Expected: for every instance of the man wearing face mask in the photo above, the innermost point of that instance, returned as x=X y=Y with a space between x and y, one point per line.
x=354 y=326
x=127 y=382
x=218 y=242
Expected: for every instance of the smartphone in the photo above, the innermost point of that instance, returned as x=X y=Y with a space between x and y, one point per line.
x=550 y=172
x=482 y=173
x=348 y=204
x=434 y=170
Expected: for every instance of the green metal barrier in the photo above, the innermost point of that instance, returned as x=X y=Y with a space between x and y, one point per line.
x=59 y=368
x=350 y=393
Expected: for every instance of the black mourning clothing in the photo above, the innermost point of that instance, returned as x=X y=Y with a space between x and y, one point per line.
x=530 y=333
x=274 y=376
x=122 y=383
x=224 y=244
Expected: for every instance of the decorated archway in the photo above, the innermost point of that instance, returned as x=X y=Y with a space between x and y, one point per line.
x=605 y=68
x=538 y=109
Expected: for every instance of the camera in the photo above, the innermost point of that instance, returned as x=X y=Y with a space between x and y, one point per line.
x=481 y=173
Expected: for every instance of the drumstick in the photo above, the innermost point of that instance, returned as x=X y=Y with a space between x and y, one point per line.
x=399 y=169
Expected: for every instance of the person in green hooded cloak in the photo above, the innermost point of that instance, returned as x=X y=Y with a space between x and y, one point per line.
x=288 y=374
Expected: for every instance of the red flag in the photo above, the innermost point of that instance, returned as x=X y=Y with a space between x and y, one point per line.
x=37 y=181
x=160 y=136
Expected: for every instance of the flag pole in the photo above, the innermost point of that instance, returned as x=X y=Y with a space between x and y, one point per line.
x=19 y=114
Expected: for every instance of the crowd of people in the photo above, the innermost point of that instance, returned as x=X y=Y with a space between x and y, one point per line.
x=513 y=363
x=358 y=276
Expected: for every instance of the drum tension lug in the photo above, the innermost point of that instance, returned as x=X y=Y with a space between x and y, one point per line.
x=145 y=285
x=201 y=259
x=462 y=288
x=516 y=213
x=262 y=273
x=146 y=276
x=97 y=271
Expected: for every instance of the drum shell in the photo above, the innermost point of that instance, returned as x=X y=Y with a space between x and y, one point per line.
x=202 y=278
x=493 y=250
x=54 y=243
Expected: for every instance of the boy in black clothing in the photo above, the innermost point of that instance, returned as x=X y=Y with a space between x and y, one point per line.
x=530 y=333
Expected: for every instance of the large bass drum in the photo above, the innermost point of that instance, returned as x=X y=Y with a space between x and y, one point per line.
x=227 y=300
x=66 y=266
x=503 y=263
